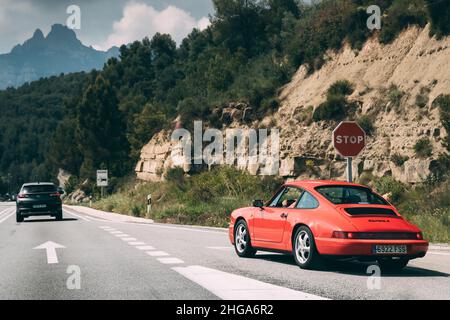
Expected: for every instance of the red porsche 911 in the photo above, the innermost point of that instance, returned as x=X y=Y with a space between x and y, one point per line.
x=318 y=219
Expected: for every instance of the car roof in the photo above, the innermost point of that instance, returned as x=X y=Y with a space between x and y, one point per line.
x=322 y=183
x=38 y=184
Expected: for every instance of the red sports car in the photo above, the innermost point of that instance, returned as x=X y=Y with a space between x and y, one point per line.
x=317 y=219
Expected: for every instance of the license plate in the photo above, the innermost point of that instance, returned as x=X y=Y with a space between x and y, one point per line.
x=390 y=249
x=39 y=206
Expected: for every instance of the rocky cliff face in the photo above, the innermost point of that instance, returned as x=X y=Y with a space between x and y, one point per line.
x=395 y=86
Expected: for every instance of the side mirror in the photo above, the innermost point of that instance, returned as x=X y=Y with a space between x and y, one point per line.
x=258 y=203
x=61 y=191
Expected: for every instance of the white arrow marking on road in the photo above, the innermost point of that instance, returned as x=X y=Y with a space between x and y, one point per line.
x=50 y=248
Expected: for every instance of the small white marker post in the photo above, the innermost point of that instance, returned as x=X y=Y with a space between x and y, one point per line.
x=149 y=203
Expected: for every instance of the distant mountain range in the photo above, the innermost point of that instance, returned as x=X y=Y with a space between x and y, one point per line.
x=59 y=52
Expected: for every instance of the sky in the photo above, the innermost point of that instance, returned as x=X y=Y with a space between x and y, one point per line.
x=104 y=23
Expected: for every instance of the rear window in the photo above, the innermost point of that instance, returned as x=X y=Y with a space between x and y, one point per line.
x=39 y=189
x=350 y=195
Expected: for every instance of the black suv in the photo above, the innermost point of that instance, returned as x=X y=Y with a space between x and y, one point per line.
x=39 y=199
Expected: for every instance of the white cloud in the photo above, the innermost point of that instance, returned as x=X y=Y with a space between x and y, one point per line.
x=140 y=20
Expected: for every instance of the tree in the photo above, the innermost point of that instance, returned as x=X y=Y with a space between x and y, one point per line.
x=101 y=130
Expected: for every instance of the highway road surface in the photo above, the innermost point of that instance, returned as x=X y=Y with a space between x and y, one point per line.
x=85 y=257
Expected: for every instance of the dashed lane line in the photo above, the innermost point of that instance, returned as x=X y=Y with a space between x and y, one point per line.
x=136 y=243
x=145 y=248
x=170 y=260
x=157 y=254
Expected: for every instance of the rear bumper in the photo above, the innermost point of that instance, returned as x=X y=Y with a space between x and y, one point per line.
x=27 y=211
x=346 y=247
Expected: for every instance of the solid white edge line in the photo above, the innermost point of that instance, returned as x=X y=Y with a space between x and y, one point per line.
x=439 y=253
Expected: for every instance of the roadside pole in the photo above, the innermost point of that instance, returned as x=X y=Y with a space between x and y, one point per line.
x=349 y=169
x=102 y=181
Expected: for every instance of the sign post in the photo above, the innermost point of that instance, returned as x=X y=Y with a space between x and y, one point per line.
x=102 y=180
x=349 y=139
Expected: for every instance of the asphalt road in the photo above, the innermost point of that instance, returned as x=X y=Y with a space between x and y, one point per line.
x=116 y=260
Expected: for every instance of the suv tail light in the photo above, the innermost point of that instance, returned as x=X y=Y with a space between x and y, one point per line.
x=57 y=194
x=22 y=196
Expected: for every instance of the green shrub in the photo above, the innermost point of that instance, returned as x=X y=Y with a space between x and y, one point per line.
x=341 y=88
x=388 y=185
x=439 y=12
x=367 y=124
x=395 y=95
x=423 y=148
x=422 y=98
x=175 y=175
x=400 y=15
x=443 y=101
x=335 y=108
x=398 y=159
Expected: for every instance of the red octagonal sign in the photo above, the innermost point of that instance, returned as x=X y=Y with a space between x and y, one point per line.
x=349 y=139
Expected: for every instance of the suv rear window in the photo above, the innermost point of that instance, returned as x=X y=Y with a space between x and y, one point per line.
x=39 y=189
x=350 y=195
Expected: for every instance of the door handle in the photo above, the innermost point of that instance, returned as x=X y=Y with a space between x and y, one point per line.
x=284 y=215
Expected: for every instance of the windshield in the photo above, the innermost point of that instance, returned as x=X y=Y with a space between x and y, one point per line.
x=350 y=195
x=38 y=189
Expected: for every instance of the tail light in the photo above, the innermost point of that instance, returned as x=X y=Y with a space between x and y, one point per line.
x=340 y=235
x=22 y=196
x=377 y=235
x=57 y=194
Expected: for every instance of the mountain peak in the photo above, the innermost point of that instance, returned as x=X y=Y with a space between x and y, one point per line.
x=61 y=34
x=38 y=35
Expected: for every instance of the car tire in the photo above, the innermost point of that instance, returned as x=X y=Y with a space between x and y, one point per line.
x=59 y=216
x=304 y=249
x=242 y=241
x=392 y=265
x=19 y=217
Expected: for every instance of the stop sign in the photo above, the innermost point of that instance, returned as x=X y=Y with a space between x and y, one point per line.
x=349 y=139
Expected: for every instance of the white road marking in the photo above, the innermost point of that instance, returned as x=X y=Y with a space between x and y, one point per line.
x=116 y=232
x=157 y=254
x=439 y=253
x=122 y=235
x=129 y=239
x=105 y=227
x=136 y=243
x=229 y=286
x=50 y=248
x=170 y=260
x=145 y=248
x=76 y=215
x=7 y=216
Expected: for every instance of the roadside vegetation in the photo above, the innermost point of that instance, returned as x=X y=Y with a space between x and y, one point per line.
x=205 y=199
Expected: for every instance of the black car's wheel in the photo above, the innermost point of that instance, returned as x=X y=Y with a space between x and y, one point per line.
x=304 y=249
x=19 y=217
x=59 y=216
x=242 y=242
x=392 y=264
